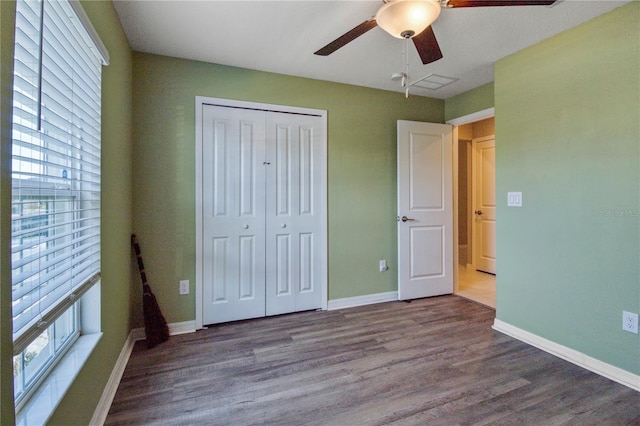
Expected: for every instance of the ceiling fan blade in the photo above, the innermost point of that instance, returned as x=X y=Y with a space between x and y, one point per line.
x=427 y=46
x=347 y=37
x=483 y=3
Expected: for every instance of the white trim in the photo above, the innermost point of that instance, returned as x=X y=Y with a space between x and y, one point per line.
x=199 y=219
x=367 y=299
x=184 y=327
x=102 y=409
x=454 y=206
x=483 y=139
x=474 y=116
x=203 y=100
x=138 y=334
x=578 y=358
x=46 y=398
x=175 y=329
x=91 y=31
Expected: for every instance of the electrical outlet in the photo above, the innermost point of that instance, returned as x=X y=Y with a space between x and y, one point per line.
x=184 y=287
x=383 y=266
x=630 y=322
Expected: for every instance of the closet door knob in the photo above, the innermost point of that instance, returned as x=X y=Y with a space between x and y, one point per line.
x=283 y=225
x=246 y=226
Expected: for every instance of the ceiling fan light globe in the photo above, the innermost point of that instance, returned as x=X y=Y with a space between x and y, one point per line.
x=403 y=16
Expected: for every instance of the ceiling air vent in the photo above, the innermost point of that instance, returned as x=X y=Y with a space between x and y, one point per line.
x=434 y=82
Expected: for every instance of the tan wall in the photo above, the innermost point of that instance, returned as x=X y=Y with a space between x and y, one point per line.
x=484 y=128
x=463 y=190
x=465 y=132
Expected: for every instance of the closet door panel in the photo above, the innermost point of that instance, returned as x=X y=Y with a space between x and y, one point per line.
x=233 y=214
x=294 y=149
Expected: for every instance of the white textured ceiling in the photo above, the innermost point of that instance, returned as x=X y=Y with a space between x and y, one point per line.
x=281 y=36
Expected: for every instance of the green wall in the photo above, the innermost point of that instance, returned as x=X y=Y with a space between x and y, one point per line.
x=466 y=103
x=7 y=24
x=567 y=114
x=568 y=137
x=361 y=169
x=79 y=403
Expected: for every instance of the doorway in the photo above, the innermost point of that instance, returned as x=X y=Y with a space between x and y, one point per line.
x=474 y=214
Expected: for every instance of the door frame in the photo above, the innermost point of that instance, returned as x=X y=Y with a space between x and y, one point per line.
x=459 y=121
x=200 y=102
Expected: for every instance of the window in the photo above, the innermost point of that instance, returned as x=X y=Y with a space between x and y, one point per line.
x=55 y=221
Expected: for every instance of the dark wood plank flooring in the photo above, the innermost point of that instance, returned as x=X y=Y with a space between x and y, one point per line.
x=430 y=362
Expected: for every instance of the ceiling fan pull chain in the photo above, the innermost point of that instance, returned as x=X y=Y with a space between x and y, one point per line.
x=404 y=68
x=405 y=83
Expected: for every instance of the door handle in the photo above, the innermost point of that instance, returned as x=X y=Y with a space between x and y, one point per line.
x=405 y=219
x=478 y=212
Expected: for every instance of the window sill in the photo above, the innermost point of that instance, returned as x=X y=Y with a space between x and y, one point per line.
x=46 y=399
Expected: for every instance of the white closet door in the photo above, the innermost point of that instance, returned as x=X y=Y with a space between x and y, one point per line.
x=233 y=197
x=295 y=247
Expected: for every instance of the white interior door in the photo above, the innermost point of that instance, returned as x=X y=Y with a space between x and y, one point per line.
x=425 y=209
x=262 y=249
x=484 y=204
x=233 y=205
x=294 y=213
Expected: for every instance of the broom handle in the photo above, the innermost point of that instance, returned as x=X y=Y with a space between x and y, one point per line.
x=136 y=248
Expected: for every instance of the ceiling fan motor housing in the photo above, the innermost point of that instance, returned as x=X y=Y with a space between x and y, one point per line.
x=407 y=18
x=412 y=19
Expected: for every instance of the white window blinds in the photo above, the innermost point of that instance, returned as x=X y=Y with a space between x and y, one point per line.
x=55 y=216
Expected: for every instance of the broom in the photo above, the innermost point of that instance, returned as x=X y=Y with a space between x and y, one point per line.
x=155 y=326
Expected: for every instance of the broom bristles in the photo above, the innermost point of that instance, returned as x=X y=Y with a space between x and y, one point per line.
x=156 y=329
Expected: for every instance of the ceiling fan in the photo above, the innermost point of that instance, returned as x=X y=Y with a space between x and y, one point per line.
x=413 y=18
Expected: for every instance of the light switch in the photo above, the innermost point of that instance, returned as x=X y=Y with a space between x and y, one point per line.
x=514 y=199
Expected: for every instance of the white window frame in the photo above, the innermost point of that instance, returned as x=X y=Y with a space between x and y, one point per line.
x=60 y=366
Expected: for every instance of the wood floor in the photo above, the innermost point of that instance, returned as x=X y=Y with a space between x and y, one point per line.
x=430 y=362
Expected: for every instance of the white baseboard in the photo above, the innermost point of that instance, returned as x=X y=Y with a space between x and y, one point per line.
x=137 y=334
x=175 y=328
x=369 y=299
x=184 y=327
x=578 y=358
x=100 y=415
x=102 y=409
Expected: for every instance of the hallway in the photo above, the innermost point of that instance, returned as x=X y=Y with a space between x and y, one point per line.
x=477 y=286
